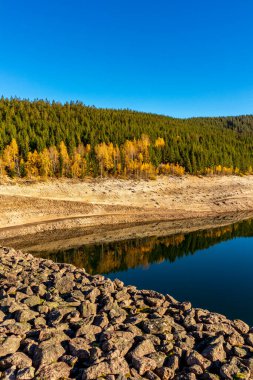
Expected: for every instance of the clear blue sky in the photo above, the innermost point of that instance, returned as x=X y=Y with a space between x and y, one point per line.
x=180 y=58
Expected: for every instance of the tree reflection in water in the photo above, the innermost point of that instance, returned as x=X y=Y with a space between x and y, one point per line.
x=123 y=255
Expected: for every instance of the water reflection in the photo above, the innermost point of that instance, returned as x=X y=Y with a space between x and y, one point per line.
x=123 y=255
x=212 y=268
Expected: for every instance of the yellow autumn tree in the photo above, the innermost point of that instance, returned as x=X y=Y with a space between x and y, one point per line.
x=171 y=169
x=78 y=163
x=159 y=142
x=136 y=154
x=46 y=168
x=54 y=158
x=11 y=158
x=116 y=159
x=104 y=153
x=2 y=167
x=64 y=161
x=32 y=165
x=147 y=170
x=129 y=150
x=76 y=168
x=143 y=145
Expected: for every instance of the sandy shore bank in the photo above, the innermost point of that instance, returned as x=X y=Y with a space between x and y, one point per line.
x=27 y=208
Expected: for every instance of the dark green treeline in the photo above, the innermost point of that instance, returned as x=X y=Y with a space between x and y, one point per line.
x=195 y=143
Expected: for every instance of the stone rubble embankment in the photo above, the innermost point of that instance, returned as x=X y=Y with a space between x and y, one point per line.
x=58 y=322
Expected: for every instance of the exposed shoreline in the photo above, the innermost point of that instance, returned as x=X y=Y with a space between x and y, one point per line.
x=32 y=239
x=34 y=208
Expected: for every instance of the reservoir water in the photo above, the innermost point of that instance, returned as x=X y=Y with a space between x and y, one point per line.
x=211 y=268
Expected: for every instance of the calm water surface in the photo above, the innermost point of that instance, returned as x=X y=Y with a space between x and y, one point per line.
x=212 y=268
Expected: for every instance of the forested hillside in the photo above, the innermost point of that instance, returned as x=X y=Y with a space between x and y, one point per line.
x=46 y=139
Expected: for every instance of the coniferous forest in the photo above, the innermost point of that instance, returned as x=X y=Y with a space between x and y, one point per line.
x=50 y=139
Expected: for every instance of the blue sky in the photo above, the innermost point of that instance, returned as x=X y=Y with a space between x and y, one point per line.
x=179 y=58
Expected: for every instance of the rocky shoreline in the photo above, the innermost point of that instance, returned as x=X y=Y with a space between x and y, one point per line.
x=58 y=322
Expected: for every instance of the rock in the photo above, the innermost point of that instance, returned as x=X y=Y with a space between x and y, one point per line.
x=167 y=348
x=39 y=322
x=54 y=371
x=10 y=345
x=25 y=315
x=154 y=302
x=240 y=352
x=249 y=339
x=156 y=340
x=101 y=320
x=117 y=311
x=89 y=331
x=235 y=339
x=144 y=348
x=117 y=366
x=157 y=326
x=185 y=306
x=143 y=364
x=9 y=374
x=47 y=352
x=158 y=357
x=33 y=301
x=151 y=376
x=29 y=346
x=65 y=284
x=235 y=369
x=215 y=352
x=79 y=348
x=249 y=364
x=69 y=359
x=165 y=373
x=134 y=374
x=120 y=340
x=40 y=289
x=17 y=328
x=54 y=317
x=171 y=299
x=209 y=376
x=95 y=355
x=197 y=358
x=87 y=308
x=196 y=369
x=25 y=373
x=119 y=284
x=189 y=323
x=53 y=334
x=77 y=295
x=185 y=376
x=172 y=362
x=18 y=359
x=241 y=326
x=92 y=294
x=2 y=316
x=179 y=331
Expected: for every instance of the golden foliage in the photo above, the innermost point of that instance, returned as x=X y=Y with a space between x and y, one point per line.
x=171 y=169
x=159 y=143
x=131 y=159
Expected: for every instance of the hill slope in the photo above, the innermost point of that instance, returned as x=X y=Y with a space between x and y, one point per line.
x=195 y=143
